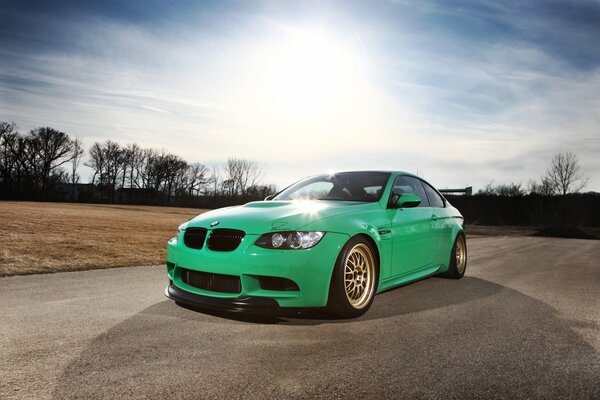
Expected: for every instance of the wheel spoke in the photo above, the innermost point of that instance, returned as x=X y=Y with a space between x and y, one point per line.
x=359 y=270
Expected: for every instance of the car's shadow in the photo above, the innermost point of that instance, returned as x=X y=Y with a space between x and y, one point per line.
x=436 y=338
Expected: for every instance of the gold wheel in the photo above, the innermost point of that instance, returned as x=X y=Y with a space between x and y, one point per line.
x=359 y=276
x=461 y=254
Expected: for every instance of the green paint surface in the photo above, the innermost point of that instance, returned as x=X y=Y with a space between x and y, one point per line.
x=412 y=243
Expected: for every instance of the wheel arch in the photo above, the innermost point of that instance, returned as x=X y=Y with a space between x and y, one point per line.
x=458 y=230
x=372 y=241
x=333 y=305
x=448 y=243
x=369 y=239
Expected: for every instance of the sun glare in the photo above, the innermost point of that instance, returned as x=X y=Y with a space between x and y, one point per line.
x=310 y=71
x=302 y=88
x=310 y=206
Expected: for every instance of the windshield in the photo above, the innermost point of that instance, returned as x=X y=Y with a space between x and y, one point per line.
x=345 y=186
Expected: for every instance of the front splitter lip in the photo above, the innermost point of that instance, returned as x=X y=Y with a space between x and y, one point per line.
x=251 y=305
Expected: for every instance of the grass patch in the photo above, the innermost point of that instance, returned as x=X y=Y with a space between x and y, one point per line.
x=38 y=237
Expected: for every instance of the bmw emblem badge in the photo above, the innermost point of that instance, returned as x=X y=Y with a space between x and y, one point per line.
x=215 y=223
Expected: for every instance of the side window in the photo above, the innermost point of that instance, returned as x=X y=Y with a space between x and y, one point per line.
x=434 y=198
x=408 y=184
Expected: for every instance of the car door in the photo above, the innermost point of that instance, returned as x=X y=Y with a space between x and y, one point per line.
x=440 y=226
x=412 y=238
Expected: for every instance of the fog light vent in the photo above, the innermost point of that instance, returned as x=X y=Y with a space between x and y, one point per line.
x=278 y=284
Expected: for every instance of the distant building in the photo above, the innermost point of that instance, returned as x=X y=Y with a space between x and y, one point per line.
x=78 y=192
x=138 y=196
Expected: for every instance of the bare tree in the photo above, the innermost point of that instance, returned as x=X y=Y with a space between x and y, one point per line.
x=19 y=165
x=144 y=168
x=163 y=172
x=504 y=190
x=136 y=161
x=565 y=173
x=250 y=176
x=8 y=136
x=7 y=128
x=76 y=159
x=232 y=171
x=96 y=161
x=174 y=169
x=196 y=177
x=261 y=191
x=106 y=160
x=241 y=174
x=544 y=187
x=509 y=190
x=52 y=149
x=488 y=190
x=126 y=160
x=114 y=161
x=213 y=180
x=155 y=170
x=228 y=187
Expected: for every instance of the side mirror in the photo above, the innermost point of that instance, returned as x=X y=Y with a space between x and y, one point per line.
x=269 y=197
x=407 y=200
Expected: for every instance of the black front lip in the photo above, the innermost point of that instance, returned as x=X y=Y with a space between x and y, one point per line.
x=251 y=305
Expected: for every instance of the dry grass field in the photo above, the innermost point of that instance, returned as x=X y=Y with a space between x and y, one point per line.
x=48 y=237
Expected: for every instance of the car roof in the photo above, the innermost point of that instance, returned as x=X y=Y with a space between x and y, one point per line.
x=377 y=170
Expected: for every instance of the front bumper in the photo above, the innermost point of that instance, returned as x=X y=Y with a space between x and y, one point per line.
x=253 y=305
x=309 y=269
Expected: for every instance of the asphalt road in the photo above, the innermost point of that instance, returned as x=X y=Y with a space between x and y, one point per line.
x=523 y=323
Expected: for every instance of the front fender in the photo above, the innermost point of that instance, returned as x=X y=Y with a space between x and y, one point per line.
x=372 y=224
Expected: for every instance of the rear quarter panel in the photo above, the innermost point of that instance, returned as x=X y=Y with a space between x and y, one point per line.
x=453 y=225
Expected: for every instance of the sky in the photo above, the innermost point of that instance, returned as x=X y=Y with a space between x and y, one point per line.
x=462 y=93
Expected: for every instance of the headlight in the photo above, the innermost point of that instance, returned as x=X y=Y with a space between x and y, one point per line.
x=289 y=240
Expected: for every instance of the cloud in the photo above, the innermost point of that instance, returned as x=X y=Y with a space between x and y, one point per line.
x=464 y=93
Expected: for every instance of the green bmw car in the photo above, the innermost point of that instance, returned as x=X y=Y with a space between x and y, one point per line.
x=331 y=241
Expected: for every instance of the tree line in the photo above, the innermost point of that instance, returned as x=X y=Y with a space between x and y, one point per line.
x=44 y=163
x=37 y=164
x=553 y=200
x=563 y=176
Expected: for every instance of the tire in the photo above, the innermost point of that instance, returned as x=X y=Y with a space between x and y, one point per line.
x=458 y=258
x=354 y=280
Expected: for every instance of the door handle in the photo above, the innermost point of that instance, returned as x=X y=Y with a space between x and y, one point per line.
x=435 y=217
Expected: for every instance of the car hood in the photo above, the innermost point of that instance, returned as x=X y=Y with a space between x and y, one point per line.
x=266 y=216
